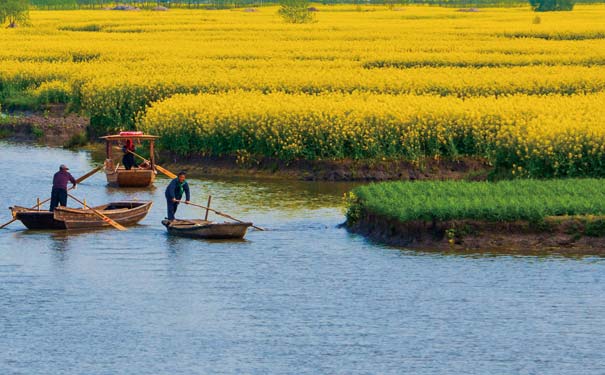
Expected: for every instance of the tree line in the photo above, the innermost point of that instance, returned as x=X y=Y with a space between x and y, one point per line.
x=295 y=11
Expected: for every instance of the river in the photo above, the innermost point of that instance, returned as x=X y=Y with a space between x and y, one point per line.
x=304 y=297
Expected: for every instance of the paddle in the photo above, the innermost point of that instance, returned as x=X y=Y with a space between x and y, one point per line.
x=106 y=219
x=78 y=180
x=221 y=214
x=159 y=168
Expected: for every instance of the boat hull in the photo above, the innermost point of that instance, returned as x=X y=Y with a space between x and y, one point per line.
x=135 y=177
x=206 y=229
x=125 y=213
x=33 y=219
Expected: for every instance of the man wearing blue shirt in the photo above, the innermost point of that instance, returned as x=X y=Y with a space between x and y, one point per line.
x=174 y=193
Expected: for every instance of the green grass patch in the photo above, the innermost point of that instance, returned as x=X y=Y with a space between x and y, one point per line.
x=15 y=98
x=557 y=35
x=4 y=133
x=92 y=27
x=530 y=200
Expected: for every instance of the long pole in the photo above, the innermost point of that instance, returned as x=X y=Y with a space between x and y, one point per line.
x=222 y=214
x=158 y=167
x=82 y=178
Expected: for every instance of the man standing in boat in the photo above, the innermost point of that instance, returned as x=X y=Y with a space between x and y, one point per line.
x=59 y=193
x=128 y=158
x=174 y=193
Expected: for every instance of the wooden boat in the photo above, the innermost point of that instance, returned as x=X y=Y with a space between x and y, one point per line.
x=34 y=219
x=116 y=174
x=195 y=228
x=125 y=213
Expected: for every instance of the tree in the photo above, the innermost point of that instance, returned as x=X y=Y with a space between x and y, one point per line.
x=295 y=11
x=14 y=11
x=551 y=5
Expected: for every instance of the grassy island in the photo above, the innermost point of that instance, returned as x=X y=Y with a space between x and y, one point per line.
x=516 y=214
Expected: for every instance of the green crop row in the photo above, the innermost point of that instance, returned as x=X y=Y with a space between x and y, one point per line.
x=506 y=201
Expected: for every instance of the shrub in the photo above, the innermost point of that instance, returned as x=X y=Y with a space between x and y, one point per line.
x=77 y=140
x=52 y=92
x=14 y=11
x=295 y=11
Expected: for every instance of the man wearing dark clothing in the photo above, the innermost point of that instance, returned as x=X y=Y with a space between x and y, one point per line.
x=58 y=195
x=128 y=158
x=174 y=193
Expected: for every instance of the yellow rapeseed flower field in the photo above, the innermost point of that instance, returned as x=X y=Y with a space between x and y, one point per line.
x=529 y=135
x=410 y=82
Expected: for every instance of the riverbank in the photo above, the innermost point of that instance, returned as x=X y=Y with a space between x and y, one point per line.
x=57 y=128
x=558 y=235
x=54 y=126
x=520 y=216
x=331 y=170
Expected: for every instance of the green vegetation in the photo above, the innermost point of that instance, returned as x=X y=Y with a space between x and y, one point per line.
x=506 y=201
x=14 y=11
x=295 y=11
x=13 y=96
x=76 y=141
x=52 y=92
x=552 y=5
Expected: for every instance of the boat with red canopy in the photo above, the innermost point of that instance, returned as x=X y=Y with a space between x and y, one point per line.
x=117 y=175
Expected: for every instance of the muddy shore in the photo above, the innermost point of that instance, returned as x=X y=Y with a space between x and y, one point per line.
x=53 y=126
x=556 y=235
x=330 y=170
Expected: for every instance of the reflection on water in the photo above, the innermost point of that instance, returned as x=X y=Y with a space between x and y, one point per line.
x=270 y=194
x=303 y=297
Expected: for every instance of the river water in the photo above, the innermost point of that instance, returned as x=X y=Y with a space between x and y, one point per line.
x=304 y=297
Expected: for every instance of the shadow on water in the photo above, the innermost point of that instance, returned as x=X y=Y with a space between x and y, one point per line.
x=269 y=194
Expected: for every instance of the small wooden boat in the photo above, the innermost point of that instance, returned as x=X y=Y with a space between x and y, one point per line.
x=34 y=219
x=116 y=174
x=195 y=228
x=135 y=177
x=125 y=213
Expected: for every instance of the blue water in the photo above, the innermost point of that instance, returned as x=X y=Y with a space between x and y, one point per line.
x=304 y=297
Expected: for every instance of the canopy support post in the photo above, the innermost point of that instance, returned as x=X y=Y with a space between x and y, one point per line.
x=152 y=154
x=108 y=149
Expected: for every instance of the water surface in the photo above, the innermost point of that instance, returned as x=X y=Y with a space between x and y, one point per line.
x=304 y=297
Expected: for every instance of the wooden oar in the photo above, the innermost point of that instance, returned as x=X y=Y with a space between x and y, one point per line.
x=106 y=219
x=158 y=167
x=221 y=214
x=78 y=180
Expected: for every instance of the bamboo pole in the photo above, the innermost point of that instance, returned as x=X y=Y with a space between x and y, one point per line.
x=222 y=214
x=158 y=167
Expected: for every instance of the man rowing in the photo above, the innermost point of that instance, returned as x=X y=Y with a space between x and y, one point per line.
x=174 y=193
x=128 y=158
x=59 y=192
